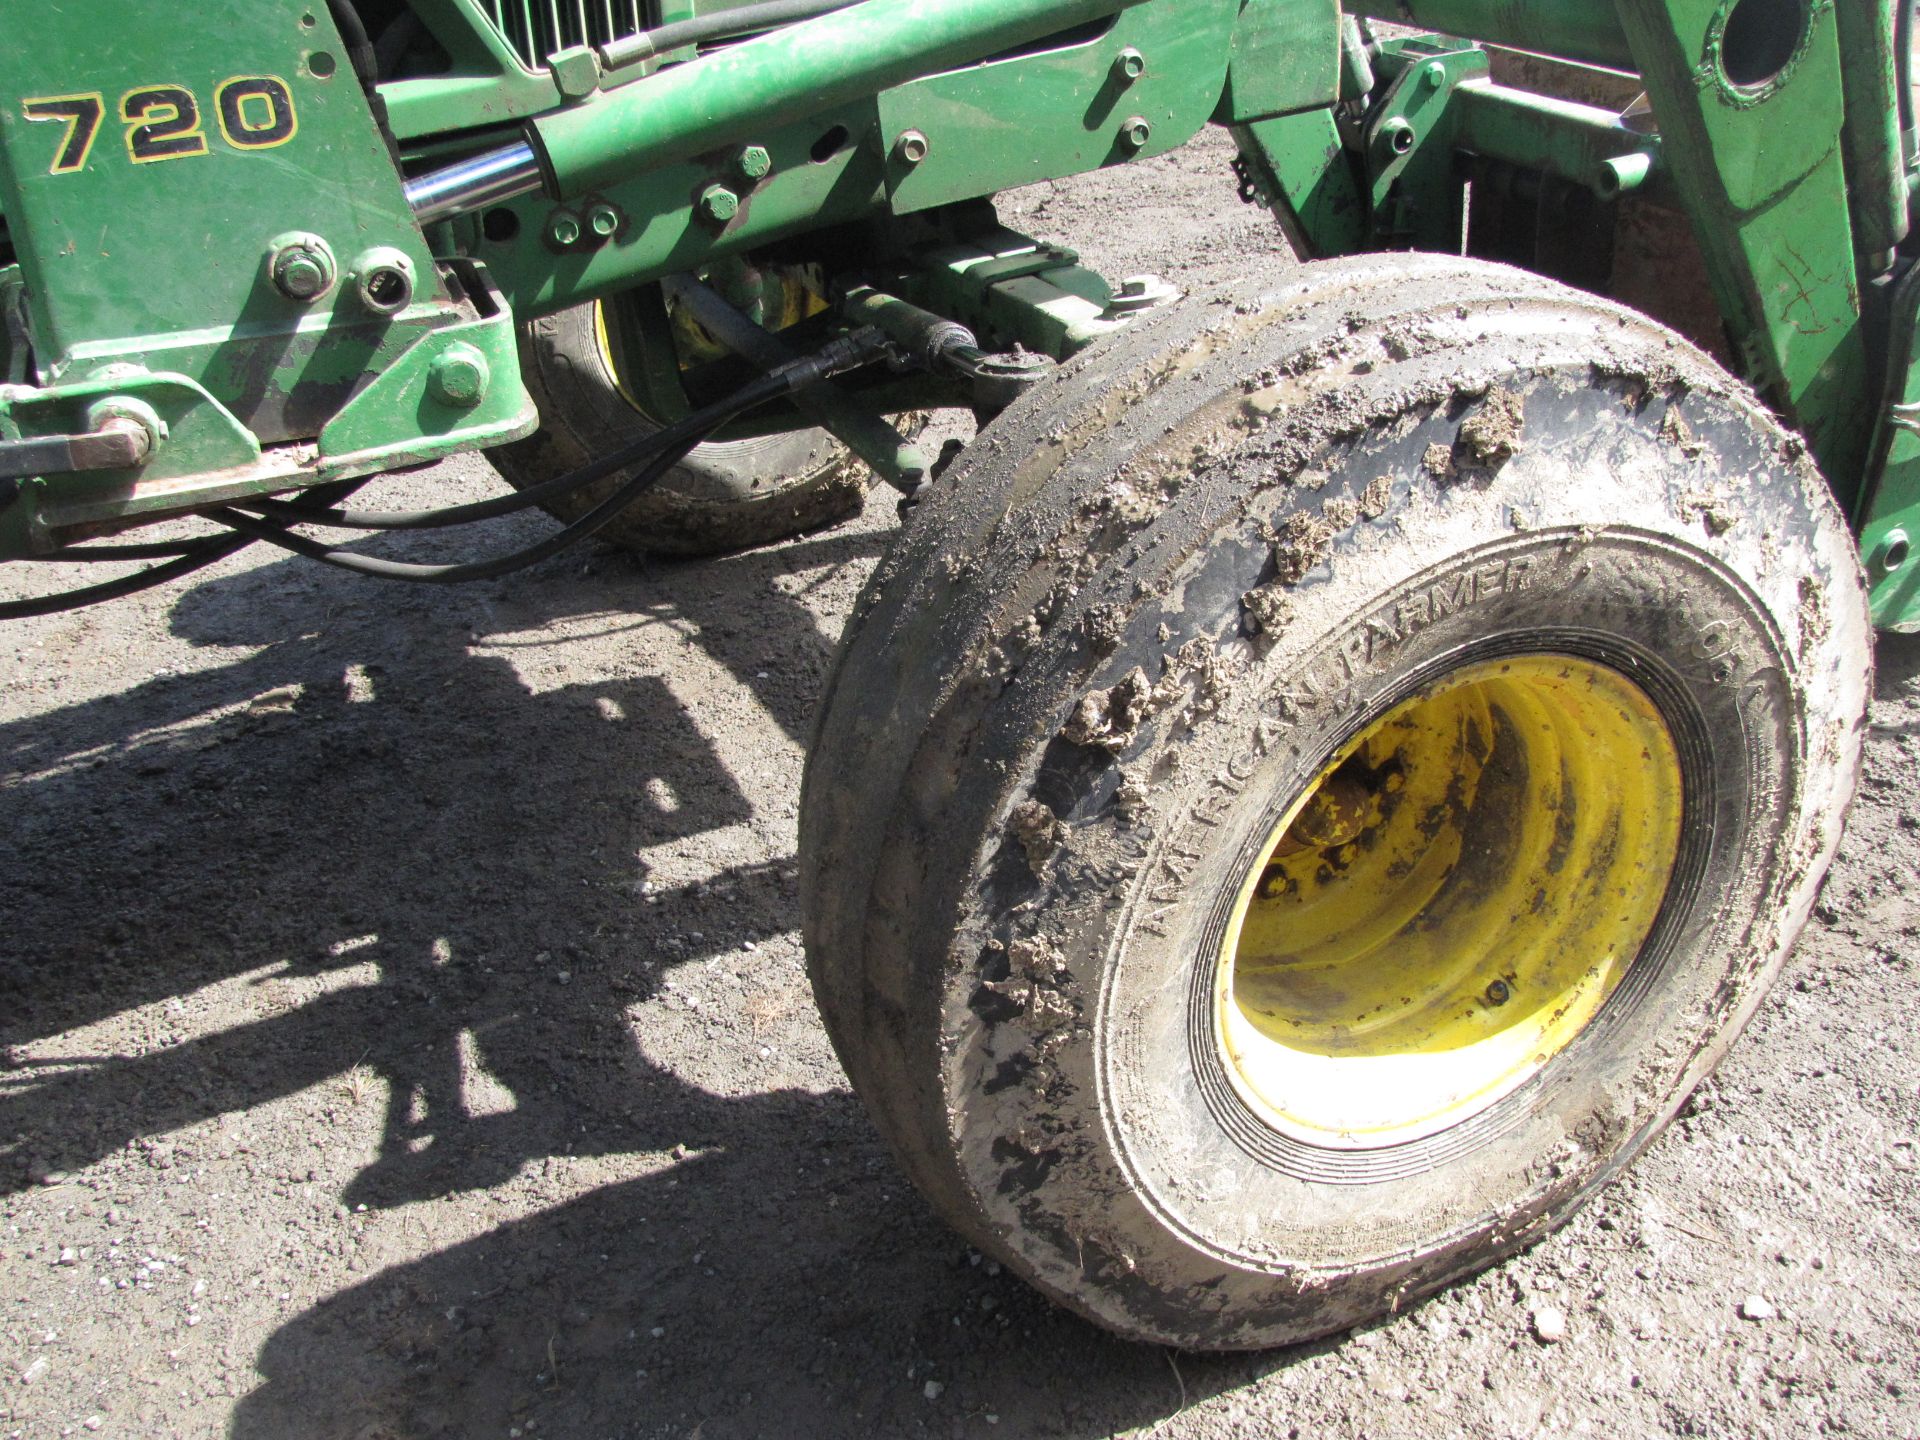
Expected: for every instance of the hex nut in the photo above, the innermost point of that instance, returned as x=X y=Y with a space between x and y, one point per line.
x=458 y=376
x=1129 y=65
x=301 y=267
x=603 y=220
x=718 y=204
x=1135 y=132
x=564 y=228
x=911 y=147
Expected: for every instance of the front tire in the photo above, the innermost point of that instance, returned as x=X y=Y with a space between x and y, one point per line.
x=1320 y=783
x=726 y=495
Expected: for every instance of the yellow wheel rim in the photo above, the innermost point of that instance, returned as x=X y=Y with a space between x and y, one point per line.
x=1450 y=903
x=793 y=302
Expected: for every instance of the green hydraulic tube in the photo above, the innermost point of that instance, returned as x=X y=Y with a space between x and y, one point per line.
x=785 y=76
x=1875 y=160
x=1584 y=30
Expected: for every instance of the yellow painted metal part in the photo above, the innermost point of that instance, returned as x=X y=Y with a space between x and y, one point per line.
x=1450 y=903
x=796 y=301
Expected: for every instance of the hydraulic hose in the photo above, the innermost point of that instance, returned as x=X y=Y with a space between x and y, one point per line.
x=668 y=447
x=189 y=556
x=704 y=29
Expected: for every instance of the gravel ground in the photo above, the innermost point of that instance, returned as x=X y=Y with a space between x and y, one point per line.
x=406 y=1034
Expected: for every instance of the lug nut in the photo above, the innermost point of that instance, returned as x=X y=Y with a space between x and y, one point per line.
x=1135 y=132
x=1498 y=993
x=754 y=163
x=911 y=148
x=718 y=204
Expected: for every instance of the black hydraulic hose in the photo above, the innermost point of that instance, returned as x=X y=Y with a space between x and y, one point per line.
x=217 y=549
x=454 y=574
x=854 y=350
x=155 y=550
x=723 y=25
x=494 y=506
x=796 y=374
x=192 y=555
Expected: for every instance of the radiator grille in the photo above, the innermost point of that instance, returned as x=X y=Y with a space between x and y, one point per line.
x=536 y=29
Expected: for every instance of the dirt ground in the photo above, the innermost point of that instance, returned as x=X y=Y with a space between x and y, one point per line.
x=407 y=1035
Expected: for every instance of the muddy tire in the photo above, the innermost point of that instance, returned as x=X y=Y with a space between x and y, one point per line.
x=726 y=495
x=1319 y=783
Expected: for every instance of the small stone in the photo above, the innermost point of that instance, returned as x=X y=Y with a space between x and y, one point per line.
x=192 y=1320
x=658 y=1331
x=34 y=1371
x=93 y=1422
x=1756 y=1307
x=565 y=977
x=1549 y=1324
x=933 y=1389
x=68 y=1256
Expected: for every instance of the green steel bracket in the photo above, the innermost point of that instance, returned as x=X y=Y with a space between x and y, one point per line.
x=1298 y=167
x=1285 y=58
x=202 y=455
x=1049 y=111
x=1143 y=86
x=1751 y=135
x=1408 y=143
x=1014 y=291
x=484 y=84
x=1889 y=519
x=1875 y=151
x=1583 y=144
x=1583 y=30
x=455 y=389
x=213 y=201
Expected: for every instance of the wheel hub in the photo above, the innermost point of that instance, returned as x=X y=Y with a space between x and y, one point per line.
x=1450 y=903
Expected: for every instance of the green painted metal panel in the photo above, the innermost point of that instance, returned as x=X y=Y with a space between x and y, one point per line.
x=1062 y=111
x=837 y=59
x=1757 y=160
x=149 y=245
x=1284 y=58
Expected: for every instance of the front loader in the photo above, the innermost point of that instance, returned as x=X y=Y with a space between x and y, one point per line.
x=1324 y=773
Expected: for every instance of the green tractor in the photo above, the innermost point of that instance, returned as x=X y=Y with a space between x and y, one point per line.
x=1329 y=768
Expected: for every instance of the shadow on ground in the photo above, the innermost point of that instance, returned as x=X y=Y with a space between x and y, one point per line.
x=367 y=799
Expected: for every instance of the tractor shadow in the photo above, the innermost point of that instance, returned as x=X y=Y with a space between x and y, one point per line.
x=382 y=827
x=789 y=1286
x=399 y=840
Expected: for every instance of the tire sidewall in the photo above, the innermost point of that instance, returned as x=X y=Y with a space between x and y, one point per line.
x=1112 y=1149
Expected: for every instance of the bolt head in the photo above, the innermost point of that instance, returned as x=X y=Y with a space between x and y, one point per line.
x=564 y=228
x=755 y=163
x=603 y=220
x=302 y=277
x=1433 y=75
x=1135 y=132
x=719 y=204
x=1129 y=65
x=458 y=376
x=301 y=268
x=911 y=147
